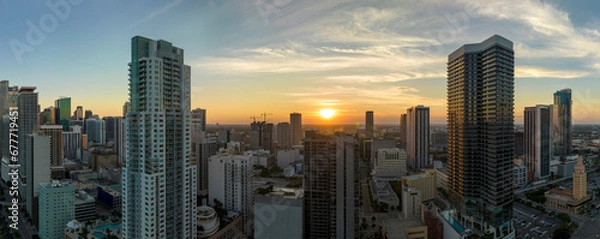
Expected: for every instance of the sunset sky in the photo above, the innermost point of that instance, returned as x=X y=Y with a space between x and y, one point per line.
x=281 y=56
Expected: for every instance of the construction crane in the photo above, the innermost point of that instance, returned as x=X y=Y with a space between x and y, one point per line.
x=253 y=118
x=265 y=116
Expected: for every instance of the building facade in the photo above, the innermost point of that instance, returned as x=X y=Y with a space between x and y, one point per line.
x=561 y=124
x=283 y=135
x=369 y=124
x=296 y=124
x=230 y=182
x=331 y=166
x=199 y=119
x=417 y=137
x=536 y=141
x=390 y=163
x=57 y=208
x=480 y=91
x=158 y=180
x=64 y=106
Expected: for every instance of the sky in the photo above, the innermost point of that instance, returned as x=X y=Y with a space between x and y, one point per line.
x=281 y=56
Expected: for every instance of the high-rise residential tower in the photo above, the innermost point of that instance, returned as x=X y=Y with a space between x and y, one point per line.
x=79 y=113
x=536 y=141
x=369 y=124
x=27 y=102
x=64 y=104
x=331 y=201
x=480 y=90
x=198 y=119
x=57 y=153
x=296 y=124
x=417 y=137
x=158 y=181
x=561 y=124
x=283 y=135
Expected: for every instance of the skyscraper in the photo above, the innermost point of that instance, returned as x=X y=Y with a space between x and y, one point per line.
x=96 y=131
x=417 y=137
x=79 y=113
x=296 y=124
x=561 y=124
x=331 y=201
x=39 y=171
x=198 y=119
x=403 y=131
x=203 y=146
x=480 y=134
x=64 y=104
x=369 y=124
x=56 y=143
x=283 y=135
x=159 y=181
x=27 y=102
x=536 y=141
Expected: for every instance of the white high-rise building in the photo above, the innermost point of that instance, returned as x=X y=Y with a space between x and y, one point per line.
x=158 y=180
x=73 y=143
x=230 y=182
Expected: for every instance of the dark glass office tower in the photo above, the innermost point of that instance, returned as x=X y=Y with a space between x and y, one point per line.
x=480 y=133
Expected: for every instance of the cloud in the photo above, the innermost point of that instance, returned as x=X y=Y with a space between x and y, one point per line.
x=540 y=72
x=155 y=13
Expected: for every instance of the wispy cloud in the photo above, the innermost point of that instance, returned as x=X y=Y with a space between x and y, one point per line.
x=155 y=13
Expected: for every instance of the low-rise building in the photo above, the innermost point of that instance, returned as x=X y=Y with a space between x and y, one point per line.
x=390 y=163
x=208 y=221
x=424 y=182
x=85 y=206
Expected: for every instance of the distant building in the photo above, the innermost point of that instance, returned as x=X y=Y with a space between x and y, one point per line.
x=520 y=174
x=230 y=182
x=296 y=124
x=38 y=158
x=561 y=124
x=424 y=182
x=390 y=163
x=571 y=200
x=57 y=208
x=284 y=135
x=417 y=137
x=198 y=119
x=203 y=147
x=537 y=142
x=261 y=135
x=383 y=193
x=73 y=144
x=96 y=131
x=369 y=124
x=56 y=143
x=403 y=129
x=64 y=104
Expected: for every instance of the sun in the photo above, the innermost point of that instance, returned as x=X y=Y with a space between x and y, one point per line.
x=327 y=113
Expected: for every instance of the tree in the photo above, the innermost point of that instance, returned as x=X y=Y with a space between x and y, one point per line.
x=561 y=233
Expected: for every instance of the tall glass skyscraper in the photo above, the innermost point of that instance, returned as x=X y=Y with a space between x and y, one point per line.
x=561 y=123
x=159 y=180
x=481 y=134
x=64 y=104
